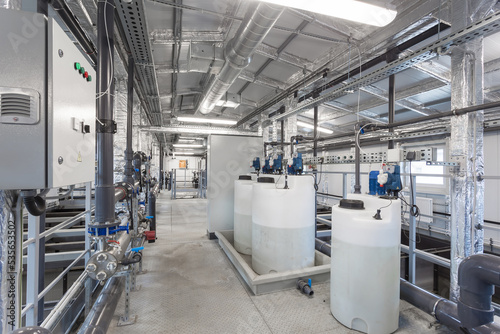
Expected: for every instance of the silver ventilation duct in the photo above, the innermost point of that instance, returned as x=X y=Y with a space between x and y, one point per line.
x=239 y=50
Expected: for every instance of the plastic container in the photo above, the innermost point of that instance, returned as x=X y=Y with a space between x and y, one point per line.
x=283 y=225
x=365 y=264
x=243 y=214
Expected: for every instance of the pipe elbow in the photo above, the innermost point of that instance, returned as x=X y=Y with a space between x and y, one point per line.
x=477 y=276
x=479 y=272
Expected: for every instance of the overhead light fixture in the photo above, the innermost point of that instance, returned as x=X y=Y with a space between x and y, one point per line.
x=187 y=140
x=351 y=10
x=207 y=120
x=183 y=153
x=310 y=126
x=188 y=145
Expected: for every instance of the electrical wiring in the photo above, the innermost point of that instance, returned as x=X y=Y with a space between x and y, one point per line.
x=98 y=96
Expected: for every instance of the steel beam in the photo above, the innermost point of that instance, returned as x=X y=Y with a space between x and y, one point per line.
x=482 y=27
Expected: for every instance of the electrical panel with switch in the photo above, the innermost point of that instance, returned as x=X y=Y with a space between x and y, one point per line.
x=47 y=105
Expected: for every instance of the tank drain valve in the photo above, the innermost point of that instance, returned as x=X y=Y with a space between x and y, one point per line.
x=305 y=288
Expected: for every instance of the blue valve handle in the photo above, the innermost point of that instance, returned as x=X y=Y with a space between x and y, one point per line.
x=136 y=249
x=150 y=217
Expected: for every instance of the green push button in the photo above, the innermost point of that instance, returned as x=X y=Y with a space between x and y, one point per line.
x=82 y=70
x=77 y=66
x=89 y=78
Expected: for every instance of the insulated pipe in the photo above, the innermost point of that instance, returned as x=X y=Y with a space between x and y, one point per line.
x=102 y=312
x=129 y=152
x=11 y=4
x=239 y=50
x=106 y=127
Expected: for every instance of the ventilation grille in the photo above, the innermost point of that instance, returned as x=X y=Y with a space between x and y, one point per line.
x=19 y=106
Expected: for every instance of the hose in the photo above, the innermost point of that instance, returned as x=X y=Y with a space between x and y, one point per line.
x=34 y=203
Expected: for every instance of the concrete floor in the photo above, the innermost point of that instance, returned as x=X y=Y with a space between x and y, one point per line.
x=191 y=287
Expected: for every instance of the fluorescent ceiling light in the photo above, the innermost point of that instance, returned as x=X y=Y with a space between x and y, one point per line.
x=187 y=140
x=188 y=145
x=310 y=126
x=207 y=120
x=183 y=153
x=351 y=10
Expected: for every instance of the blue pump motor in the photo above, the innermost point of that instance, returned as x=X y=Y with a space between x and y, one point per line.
x=256 y=164
x=296 y=167
x=393 y=184
x=277 y=164
x=267 y=167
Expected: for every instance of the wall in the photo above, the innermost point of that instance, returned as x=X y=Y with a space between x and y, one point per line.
x=492 y=168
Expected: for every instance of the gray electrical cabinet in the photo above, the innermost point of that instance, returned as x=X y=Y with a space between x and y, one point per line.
x=47 y=105
x=227 y=158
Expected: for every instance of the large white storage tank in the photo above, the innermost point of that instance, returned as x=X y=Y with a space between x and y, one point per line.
x=283 y=224
x=365 y=263
x=243 y=214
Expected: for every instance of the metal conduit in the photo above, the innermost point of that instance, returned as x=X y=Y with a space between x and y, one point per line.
x=238 y=52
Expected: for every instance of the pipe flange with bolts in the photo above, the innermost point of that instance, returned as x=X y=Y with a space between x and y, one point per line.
x=102 y=266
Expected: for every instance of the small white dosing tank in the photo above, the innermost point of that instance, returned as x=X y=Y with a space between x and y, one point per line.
x=283 y=222
x=365 y=263
x=243 y=214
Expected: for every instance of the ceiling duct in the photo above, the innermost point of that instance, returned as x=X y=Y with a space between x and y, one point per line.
x=249 y=36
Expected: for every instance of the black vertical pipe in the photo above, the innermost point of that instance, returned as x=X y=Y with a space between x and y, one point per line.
x=282 y=124
x=392 y=105
x=315 y=147
x=129 y=153
x=105 y=190
x=162 y=173
x=392 y=56
x=152 y=210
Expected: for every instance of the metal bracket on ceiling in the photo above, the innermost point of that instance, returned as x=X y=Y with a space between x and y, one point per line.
x=477 y=29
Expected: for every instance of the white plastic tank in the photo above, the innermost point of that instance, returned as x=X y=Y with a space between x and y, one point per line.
x=365 y=264
x=243 y=214
x=283 y=224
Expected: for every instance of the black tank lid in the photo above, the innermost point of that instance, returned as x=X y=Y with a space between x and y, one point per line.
x=352 y=204
x=265 y=180
x=245 y=177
